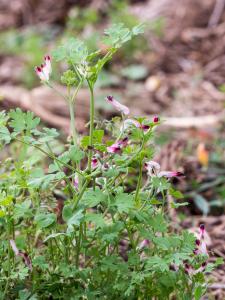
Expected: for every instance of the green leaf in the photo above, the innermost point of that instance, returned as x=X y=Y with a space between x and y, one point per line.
x=21 y=121
x=53 y=236
x=138 y=29
x=22 y=210
x=117 y=35
x=5 y=200
x=5 y=135
x=73 y=51
x=165 y=243
x=188 y=242
x=160 y=183
x=45 y=220
x=96 y=219
x=124 y=202
x=67 y=212
x=156 y=263
x=176 y=194
x=46 y=136
x=158 y=223
x=176 y=205
x=92 y=198
x=75 y=220
x=199 y=292
x=75 y=154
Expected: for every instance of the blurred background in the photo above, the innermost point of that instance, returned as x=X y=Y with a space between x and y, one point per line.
x=175 y=70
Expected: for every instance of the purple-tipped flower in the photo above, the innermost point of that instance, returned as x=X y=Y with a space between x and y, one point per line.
x=202 y=231
x=152 y=168
x=24 y=255
x=114 y=148
x=94 y=163
x=145 y=127
x=145 y=243
x=155 y=119
x=129 y=123
x=45 y=69
x=117 y=147
x=123 y=142
x=76 y=181
x=201 y=247
x=170 y=174
x=120 y=107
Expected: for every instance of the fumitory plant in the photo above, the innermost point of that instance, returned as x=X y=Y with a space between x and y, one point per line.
x=87 y=218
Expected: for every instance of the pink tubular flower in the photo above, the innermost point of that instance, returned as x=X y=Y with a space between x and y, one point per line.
x=114 y=148
x=201 y=247
x=24 y=255
x=130 y=122
x=170 y=174
x=45 y=69
x=117 y=147
x=120 y=107
x=76 y=181
x=123 y=142
x=152 y=168
x=94 y=163
x=145 y=243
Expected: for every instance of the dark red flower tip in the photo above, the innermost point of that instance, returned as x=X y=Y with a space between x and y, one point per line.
x=145 y=127
x=125 y=139
x=47 y=57
x=202 y=226
x=38 y=69
x=204 y=264
x=156 y=119
x=110 y=98
x=197 y=242
x=186 y=266
x=180 y=174
x=94 y=160
x=172 y=268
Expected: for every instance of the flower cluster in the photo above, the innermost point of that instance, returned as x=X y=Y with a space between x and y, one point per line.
x=45 y=69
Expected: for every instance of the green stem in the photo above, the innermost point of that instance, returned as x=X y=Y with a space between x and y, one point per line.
x=78 y=246
x=50 y=156
x=138 y=184
x=72 y=123
x=91 y=130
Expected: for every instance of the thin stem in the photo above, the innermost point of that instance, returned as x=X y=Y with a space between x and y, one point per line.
x=91 y=130
x=50 y=156
x=138 y=183
x=78 y=246
x=72 y=123
x=81 y=193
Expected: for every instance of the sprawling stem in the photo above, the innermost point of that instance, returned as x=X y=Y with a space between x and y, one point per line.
x=91 y=130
